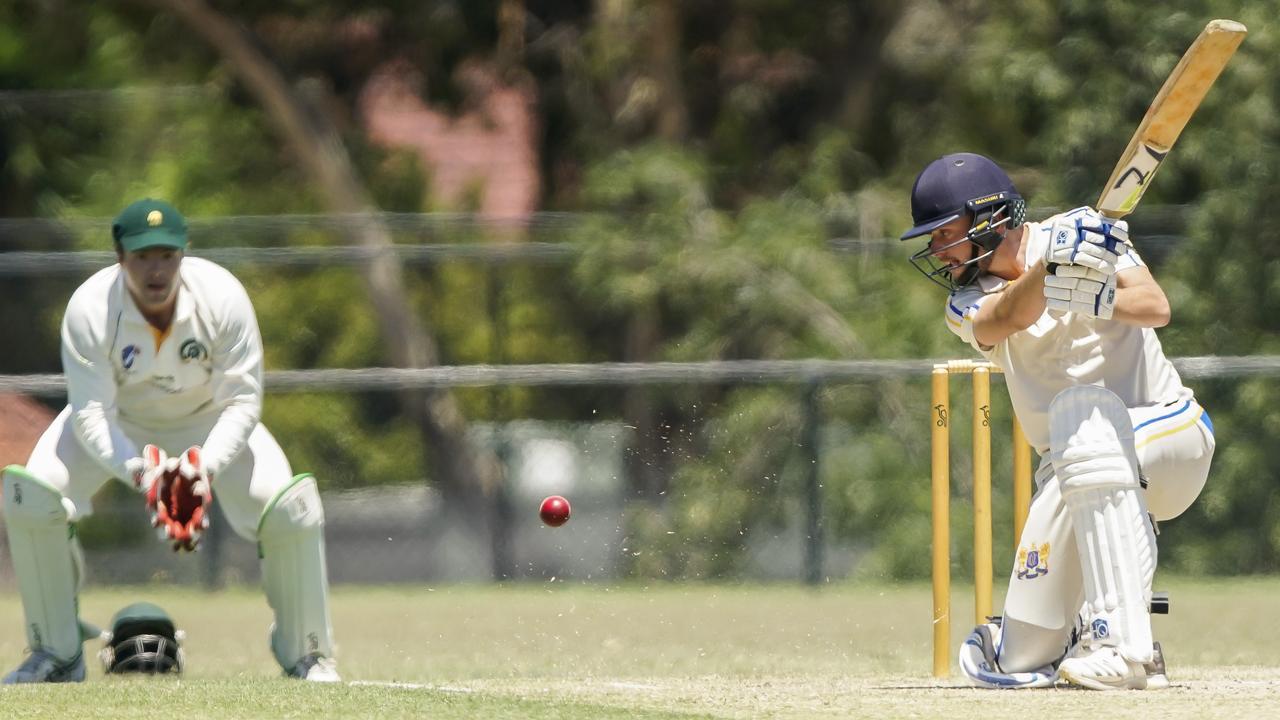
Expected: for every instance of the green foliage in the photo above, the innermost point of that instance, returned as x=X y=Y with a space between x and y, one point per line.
x=805 y=125
x=321 y=319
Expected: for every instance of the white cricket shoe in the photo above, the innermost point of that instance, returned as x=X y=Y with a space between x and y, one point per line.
x=979 y=666
x=316 y=668
x=40 y=667
x=1104 y=668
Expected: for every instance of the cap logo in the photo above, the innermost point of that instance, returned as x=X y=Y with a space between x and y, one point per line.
x=154 y=218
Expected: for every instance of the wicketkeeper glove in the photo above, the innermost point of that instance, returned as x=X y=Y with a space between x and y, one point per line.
x=147 y=468
x=1081 y=290
x=180 y=500
x=1084 y=237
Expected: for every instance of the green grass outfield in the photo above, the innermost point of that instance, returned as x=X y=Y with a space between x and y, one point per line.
x=564 y=650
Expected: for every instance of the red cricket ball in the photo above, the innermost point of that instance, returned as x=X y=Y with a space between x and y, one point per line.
x=554 y=511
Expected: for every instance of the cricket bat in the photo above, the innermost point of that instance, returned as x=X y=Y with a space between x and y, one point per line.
x=1169 y=112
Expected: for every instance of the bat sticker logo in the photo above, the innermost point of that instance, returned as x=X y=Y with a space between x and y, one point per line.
x=1142 y=176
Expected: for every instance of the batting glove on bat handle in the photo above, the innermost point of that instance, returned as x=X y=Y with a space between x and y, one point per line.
x=1083 y=237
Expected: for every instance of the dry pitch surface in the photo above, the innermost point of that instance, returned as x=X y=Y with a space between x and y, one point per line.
x=587 y=651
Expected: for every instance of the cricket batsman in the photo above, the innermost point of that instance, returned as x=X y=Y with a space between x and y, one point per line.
x=1068 y=310
x=163 y=362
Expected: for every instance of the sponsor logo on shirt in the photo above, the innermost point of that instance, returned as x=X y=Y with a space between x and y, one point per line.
x=128 y=355
x=193 y=349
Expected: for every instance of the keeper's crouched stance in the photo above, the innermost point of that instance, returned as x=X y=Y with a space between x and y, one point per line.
x=164 y=380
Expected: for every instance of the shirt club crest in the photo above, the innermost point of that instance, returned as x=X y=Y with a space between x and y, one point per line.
x=128 y=355
x=1033 y=561
x=193 y=349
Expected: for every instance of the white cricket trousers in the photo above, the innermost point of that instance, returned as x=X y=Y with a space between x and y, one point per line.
x=242 y=489
x=1175 y=443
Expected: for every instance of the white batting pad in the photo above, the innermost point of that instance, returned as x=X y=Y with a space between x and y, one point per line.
x=46 y=562
x=1093 y=455
x=291 y=546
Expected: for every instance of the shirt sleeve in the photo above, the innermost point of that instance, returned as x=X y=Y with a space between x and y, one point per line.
x=237 y=378
x=962 y=308
x=91 y=392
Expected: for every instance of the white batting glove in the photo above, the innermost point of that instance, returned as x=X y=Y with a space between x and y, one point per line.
x=1084 y=237
x=1081 y=290
x=146 y=469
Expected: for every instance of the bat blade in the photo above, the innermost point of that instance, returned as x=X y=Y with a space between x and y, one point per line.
x=1177 y=100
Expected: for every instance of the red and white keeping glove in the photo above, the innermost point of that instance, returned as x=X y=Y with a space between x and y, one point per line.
x=148 y=468
x=180 y=500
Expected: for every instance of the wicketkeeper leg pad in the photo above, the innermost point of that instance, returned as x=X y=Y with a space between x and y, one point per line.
x=1093 y=456
x=291 y=546
x=46 y=562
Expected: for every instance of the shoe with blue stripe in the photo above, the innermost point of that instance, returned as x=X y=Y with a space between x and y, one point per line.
x=980 y=667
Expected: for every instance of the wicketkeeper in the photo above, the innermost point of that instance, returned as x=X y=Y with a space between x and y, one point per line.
x=1067 y=310
x=163 y=362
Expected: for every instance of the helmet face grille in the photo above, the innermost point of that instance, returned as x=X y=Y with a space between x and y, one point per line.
x=1017 y=212
x=148 y=654
x=988 y=214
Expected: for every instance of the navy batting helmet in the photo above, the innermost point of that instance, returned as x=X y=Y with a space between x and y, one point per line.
x=952 y=187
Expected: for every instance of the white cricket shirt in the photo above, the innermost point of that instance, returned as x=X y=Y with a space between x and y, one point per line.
x=207 y=370
x=1065 y=349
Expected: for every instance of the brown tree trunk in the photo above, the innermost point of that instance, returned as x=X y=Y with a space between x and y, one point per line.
x=650 y=466
x=465 y=473
x=664 y=41
x=864 y=61
x=511 y=22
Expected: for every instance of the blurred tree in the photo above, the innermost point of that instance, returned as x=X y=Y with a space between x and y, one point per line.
x=719 y=149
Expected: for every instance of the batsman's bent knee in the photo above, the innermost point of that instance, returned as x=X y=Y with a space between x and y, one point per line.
x=294 y=574
x=1091 y=440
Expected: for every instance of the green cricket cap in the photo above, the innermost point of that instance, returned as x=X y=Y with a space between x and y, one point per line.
x=150 y=223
